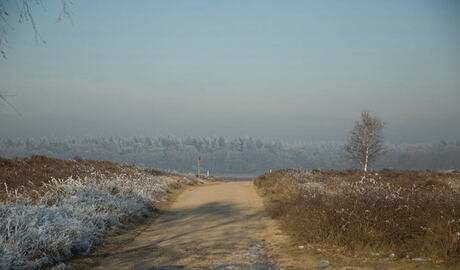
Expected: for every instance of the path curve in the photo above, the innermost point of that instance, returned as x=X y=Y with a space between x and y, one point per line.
x=208 y=226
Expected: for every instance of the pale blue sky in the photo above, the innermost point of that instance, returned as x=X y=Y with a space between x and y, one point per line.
x=293 y=70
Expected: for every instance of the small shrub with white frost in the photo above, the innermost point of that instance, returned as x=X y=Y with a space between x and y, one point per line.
x=71 y=216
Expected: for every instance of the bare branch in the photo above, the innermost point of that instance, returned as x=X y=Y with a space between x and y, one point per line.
x=3 y=97
x=25 y=14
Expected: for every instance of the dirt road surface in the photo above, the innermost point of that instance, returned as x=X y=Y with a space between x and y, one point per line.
x=216 y=226
x=221 y=226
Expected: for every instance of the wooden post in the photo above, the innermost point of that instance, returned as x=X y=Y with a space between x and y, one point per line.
x=198 y=166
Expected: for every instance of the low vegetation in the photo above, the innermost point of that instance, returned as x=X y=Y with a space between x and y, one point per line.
x=53 y=209
x=407 y=214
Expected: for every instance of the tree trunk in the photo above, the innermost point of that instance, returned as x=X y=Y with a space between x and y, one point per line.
x=366 y=160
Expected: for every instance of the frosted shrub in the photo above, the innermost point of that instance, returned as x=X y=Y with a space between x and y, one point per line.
x=71 y=215
x=420 y=219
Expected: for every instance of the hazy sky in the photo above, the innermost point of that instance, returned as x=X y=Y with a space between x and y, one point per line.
x=293 y=70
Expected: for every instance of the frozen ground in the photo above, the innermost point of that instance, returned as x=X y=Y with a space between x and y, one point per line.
x=69 y=217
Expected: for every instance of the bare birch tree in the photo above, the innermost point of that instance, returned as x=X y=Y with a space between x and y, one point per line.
x=365 y=142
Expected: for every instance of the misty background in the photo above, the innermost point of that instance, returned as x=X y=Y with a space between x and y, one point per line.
x=294 y=72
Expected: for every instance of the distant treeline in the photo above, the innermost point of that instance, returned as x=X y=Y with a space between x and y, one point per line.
x=229 y=155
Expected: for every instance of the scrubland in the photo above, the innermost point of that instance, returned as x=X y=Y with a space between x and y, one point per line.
x=413 y=215
x=51 y=210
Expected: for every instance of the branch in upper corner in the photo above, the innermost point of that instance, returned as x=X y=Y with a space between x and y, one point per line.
x=25 y=14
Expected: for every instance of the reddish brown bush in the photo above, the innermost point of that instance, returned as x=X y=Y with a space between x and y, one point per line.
x=27 y=174
x=408 y=213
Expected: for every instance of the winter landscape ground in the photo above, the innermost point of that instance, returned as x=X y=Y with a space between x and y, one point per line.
x=229 y=135
x=84 y=214
x=389 y=215
x=52 y=210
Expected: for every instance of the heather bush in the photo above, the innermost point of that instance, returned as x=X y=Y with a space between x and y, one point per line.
x=63 y=218
x=421 y=220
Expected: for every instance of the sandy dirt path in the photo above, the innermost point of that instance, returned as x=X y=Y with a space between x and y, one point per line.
x=208 y=227
x=219 y=226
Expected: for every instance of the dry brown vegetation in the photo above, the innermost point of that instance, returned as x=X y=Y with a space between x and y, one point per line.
x=52 y=210
x=28 y=174
x=39 y=169
x=406 y=214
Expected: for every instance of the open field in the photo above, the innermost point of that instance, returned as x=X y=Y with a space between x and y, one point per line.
x=412 y=215
x=51 y=210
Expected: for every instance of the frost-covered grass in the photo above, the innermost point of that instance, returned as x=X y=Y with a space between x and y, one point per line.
x=67 y=217
x=421 y=219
